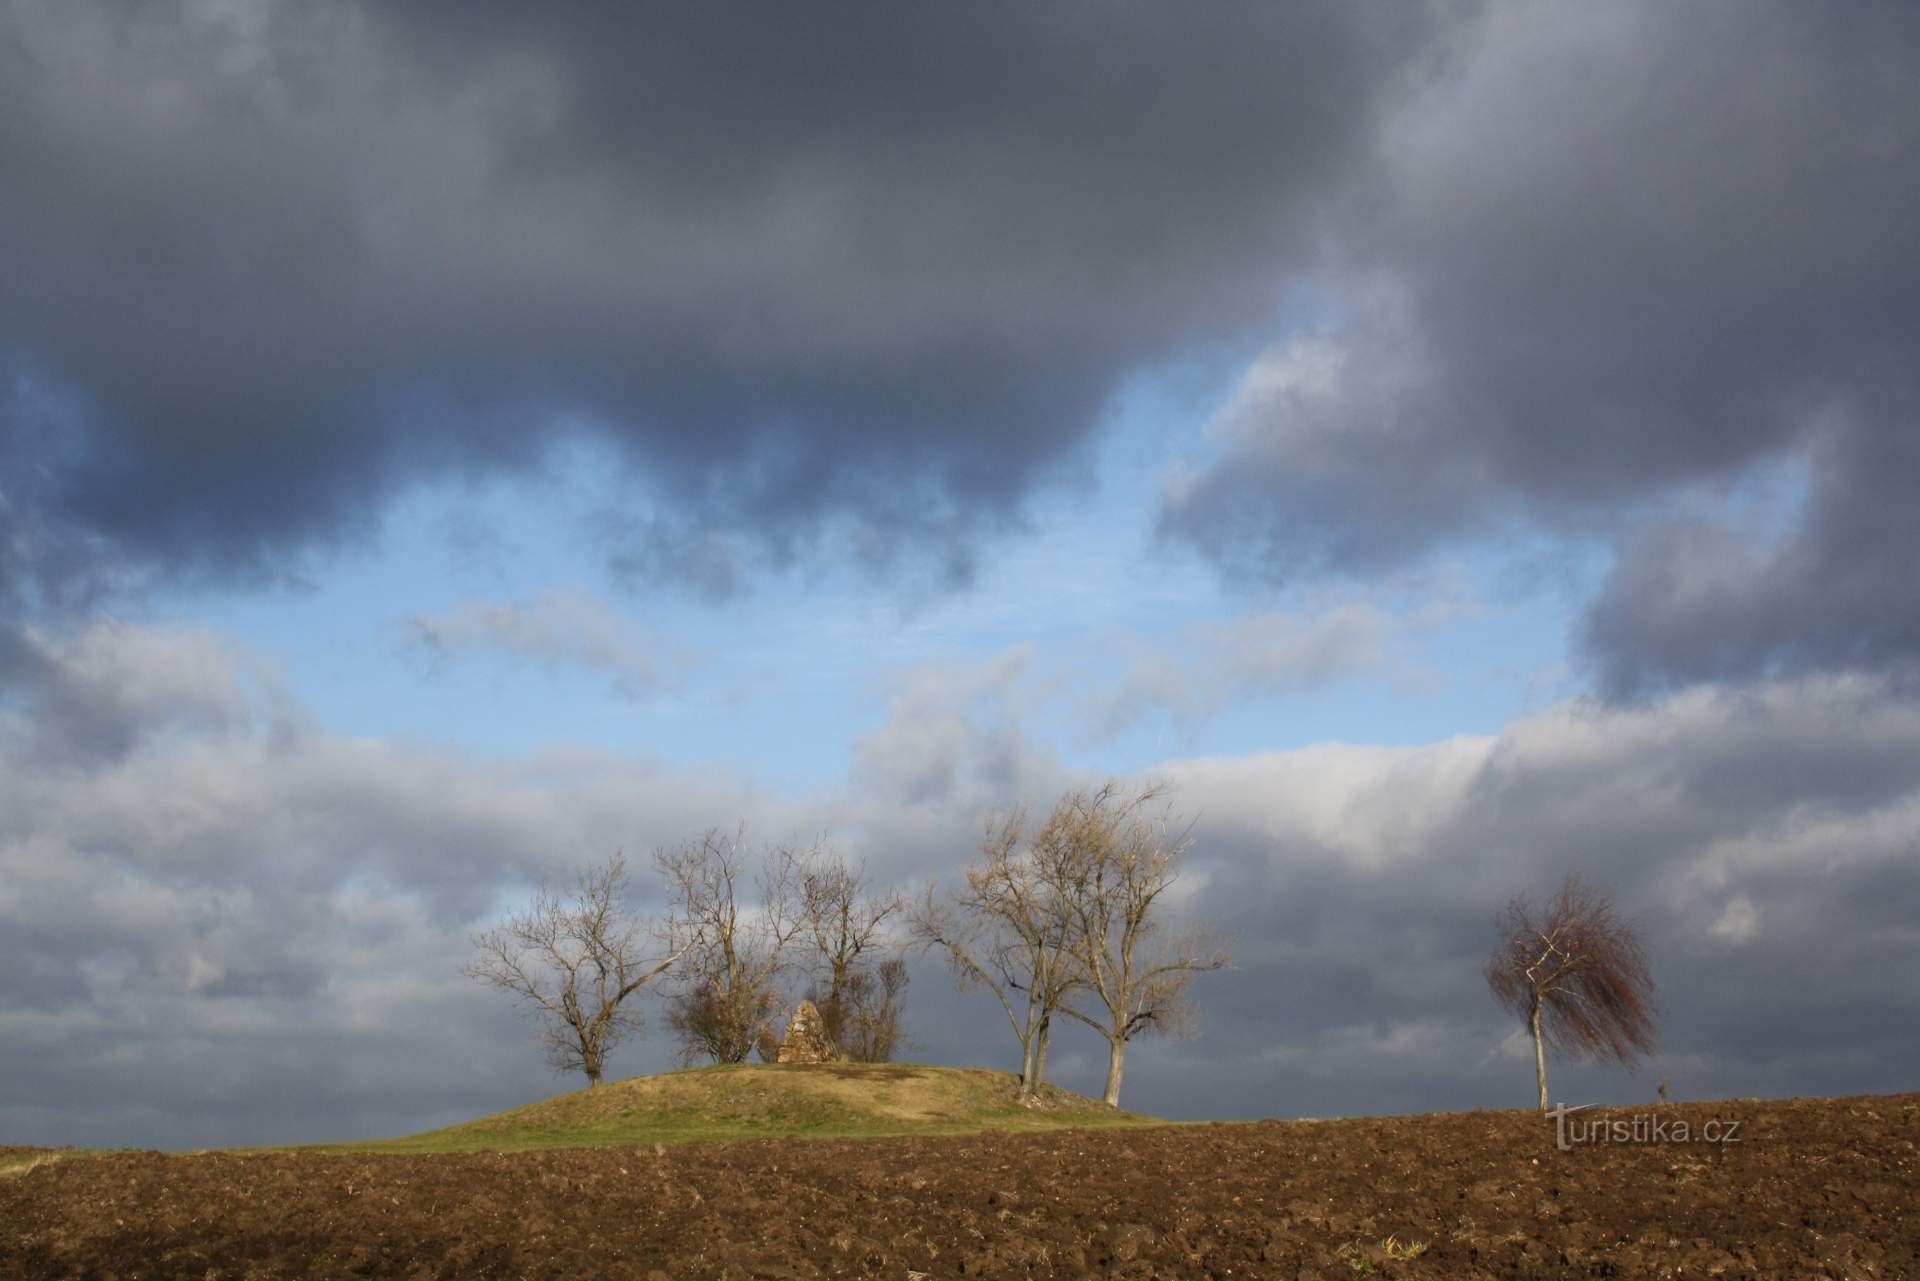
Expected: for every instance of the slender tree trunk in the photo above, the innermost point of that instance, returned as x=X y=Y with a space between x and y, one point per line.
x=1031 y=1049
x=1116 y=1065
x=1040 y=1054
x=1539 y=1057
x=834 y=1016
x=589 y=1058
x=1027 y=1049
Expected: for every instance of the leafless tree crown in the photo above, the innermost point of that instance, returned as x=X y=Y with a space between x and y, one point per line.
x=1005 y=930
x=872 y=1005
x=1576 y=974
x=847 y=922
x=742 y=911
x=1115 y=854
x=1066 y=918
x=574 y=964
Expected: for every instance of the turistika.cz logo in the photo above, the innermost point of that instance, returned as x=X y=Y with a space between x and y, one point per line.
x=1570 y=1132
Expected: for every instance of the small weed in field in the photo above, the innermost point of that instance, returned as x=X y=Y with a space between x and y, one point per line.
x=1397 y=1249
x=1359 y=1258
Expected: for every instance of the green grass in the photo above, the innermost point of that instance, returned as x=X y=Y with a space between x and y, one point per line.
x=764 y=1101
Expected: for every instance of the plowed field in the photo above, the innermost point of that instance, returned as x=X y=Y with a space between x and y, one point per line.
x=1810 y=1188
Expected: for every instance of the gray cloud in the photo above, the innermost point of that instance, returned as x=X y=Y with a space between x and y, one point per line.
x=255 y=936
x=858 y=287
x=572 y=628
x=1699 y=599
x=1740 y=828
x=1612 y=256
x=953 y=739
x=1210 y=666
x=112 y=686
x=865 y=279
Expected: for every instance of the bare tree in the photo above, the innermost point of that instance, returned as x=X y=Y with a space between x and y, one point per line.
x=726 y=991
x=573 y=965
x=845 y=919
x=1007 y=932
x=1576 y=975
x=871 y=1004
x=1110 y=856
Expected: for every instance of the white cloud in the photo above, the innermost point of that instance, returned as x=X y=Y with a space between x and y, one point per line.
x=1208 y=667
x=561 y=628
x=953 y=733
x=107 y=687
x=1739 y=922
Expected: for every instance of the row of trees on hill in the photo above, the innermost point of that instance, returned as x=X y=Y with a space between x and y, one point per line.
x=1064 y=917
x=740 y=926
x=808 y=912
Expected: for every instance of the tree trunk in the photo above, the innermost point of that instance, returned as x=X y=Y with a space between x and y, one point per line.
x=1116 y=1064
x=1027 y=1067
x=1539 y=1057
x=1040 y=1054
x=590 y=1057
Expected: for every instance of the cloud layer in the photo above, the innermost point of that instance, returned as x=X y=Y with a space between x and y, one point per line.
x=867 y=279
x=1616 y=258
x=248 y=933
x=858 y=288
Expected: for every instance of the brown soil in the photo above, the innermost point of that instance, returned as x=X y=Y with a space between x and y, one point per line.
x=1813 y=1188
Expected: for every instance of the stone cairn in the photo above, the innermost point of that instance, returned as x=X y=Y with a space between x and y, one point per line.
x=806 y=1038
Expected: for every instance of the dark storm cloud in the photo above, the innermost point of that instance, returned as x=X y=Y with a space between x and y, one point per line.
x=1696 y=600
x=1615 y=254
x=868 y=272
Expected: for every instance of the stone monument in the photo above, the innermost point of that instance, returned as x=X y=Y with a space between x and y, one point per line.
x=806 y=1038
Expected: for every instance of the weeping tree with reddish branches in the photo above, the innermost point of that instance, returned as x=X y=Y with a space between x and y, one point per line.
x=1576 y=974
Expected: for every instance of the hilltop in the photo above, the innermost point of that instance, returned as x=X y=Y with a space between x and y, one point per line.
x=766 y=1101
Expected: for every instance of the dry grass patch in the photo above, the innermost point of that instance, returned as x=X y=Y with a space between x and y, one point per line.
x=15 y=1162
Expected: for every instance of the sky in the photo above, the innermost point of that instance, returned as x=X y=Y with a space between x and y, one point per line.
x=1451 y=445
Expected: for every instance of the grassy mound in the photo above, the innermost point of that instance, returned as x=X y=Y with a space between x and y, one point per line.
x=836 y=1100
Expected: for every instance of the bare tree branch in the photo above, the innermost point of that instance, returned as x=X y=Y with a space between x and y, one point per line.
x=845 y=919
x=1065 y=918
x=727 y=994
x=1110 y=856
x=1576 y=975
x=573 y=965
x=1006 y=931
